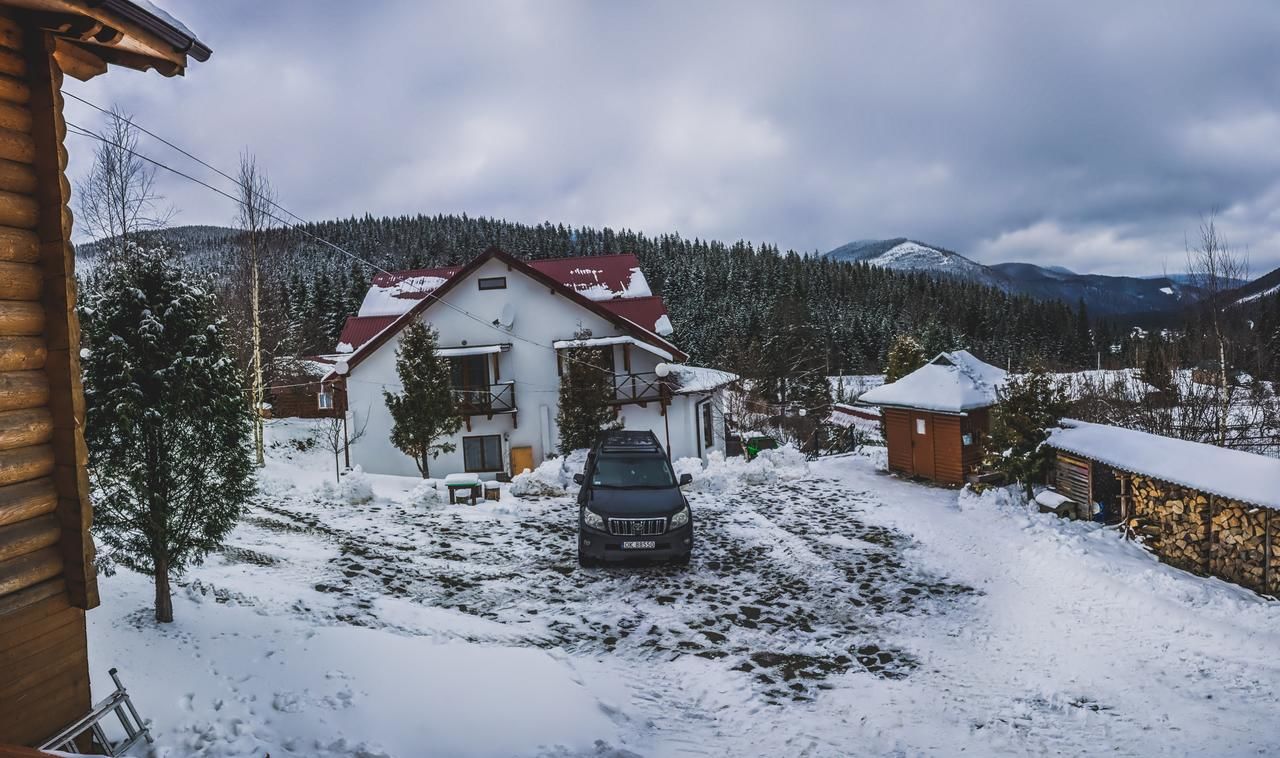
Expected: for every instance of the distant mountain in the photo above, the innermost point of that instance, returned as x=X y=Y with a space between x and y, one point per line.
x=1103 y=295
x=1261 y=288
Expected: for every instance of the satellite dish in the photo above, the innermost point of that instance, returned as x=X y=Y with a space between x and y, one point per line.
x=508 y=315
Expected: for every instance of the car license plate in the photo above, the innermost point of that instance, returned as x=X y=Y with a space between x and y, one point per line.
x=640 y=545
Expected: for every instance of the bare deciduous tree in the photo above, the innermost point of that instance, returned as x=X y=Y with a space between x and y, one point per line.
x=1215 y=268
x=255 y=217
x=335 y=434
x=117 y=199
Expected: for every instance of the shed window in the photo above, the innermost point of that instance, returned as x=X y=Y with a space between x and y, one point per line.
x=325 y=399
x=919 y=426
x=482 y=453
x=708 y=432
x=493 y=283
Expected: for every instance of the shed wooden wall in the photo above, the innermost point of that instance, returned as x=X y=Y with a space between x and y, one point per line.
x=952 y=459
x=46 y=557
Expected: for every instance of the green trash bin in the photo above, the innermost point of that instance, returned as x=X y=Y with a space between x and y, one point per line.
x=752 y=446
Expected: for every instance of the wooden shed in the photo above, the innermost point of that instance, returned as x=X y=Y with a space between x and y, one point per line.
x=936 y=417
x=47 y=579
x=1202 y=508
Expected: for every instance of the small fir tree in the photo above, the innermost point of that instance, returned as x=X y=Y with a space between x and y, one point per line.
x=1030 y=405
x=166 y=424
x=425 y=411
x=586 y=396
x=905 y=355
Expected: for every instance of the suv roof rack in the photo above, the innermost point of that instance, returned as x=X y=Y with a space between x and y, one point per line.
x=623 y=441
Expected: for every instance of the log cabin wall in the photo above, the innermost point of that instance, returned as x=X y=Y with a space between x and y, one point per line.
x=1206 y=534
x=897 y=438
x=46 y=557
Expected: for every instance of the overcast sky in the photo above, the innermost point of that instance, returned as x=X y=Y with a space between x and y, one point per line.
x=1091 y=136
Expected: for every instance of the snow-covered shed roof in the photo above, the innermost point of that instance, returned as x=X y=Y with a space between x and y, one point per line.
x=690 y=379
x=952 y=382
x=1232 y=474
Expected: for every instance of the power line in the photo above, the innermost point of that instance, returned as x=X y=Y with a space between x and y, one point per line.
x=81 y=131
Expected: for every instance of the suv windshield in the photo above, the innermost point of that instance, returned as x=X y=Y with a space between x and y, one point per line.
x=632 y=472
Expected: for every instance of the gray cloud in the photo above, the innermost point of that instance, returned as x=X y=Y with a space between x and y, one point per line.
x=1090 y=135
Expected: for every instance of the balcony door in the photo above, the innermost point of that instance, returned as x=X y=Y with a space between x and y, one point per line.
x=470 y=377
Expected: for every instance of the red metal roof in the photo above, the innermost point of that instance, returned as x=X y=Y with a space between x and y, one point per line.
x=360 y=329
x=585 y=273
x=645 y=311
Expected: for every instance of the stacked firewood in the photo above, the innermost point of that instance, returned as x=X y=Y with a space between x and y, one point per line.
x=1174 y=520
x=1204 y=534
x=1239 y=543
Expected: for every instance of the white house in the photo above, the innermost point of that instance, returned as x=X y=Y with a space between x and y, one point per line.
x=503 y=323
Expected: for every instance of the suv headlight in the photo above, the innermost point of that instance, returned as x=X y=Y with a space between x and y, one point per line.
x=680 y=519
x=592 y=519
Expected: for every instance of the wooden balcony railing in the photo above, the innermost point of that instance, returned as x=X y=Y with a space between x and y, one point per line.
x=637 y=388
x=486 y=400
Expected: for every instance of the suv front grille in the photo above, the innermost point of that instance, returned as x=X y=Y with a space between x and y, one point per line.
x=637 y=527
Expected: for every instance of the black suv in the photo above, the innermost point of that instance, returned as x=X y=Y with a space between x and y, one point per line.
x=630 y=505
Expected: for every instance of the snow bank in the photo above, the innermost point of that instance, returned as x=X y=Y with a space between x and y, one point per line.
x=723 y=474
x=552 y=478
x=353 y=488
x=426 y=495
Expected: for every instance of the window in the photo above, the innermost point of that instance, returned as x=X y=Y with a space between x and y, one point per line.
x=625 y=473
x=469 y=372
x=326 y=400
x=919 y=426
x=483 y=453
x=493 y=283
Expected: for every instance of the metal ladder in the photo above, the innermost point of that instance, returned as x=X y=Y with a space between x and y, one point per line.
x=117 y=702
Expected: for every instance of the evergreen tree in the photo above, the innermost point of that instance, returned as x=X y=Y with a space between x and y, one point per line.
x=1030 y=405
x=586 y=396
x=906 y=355
x=425 y=411
x=166 y=423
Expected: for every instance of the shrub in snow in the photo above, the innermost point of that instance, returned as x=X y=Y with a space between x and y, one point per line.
x=354 y=488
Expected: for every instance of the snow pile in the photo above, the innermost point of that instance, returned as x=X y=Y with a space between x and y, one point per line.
x=353 y=488
x=426 y=495
x=723 y=474
x=552 y=478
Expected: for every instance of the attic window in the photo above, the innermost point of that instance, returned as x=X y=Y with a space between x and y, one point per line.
x=493 y=283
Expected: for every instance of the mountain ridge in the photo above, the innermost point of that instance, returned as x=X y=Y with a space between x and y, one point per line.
x=1102 y=294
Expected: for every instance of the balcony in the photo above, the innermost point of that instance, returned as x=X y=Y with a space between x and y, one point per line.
x=637 y=388
x=486 y=400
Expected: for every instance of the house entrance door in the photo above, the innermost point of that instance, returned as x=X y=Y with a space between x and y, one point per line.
x=521 y=459
x=922 y=445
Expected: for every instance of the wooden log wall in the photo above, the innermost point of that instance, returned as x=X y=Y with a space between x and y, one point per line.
x=1206 y=534
x=46 y=556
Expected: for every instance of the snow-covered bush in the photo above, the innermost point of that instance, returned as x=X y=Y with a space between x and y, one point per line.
x=426 y=495
x=552 y=478
x=354 y=488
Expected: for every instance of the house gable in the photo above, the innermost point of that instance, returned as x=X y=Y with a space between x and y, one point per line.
x=469 y=273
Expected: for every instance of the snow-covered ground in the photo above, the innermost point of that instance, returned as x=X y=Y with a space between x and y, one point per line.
x=828 y=611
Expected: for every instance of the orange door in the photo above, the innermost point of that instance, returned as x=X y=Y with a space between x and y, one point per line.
x=922 y=445
x=521 y=459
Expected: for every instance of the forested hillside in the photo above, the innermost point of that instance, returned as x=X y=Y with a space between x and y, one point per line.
x=751 y=308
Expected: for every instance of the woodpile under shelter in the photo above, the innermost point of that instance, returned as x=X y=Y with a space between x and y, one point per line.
x=1202 y=508
x=936 y=417
x=47 y=578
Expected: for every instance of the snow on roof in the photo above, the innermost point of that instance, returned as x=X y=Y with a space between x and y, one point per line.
x=698 y=378
x=392 y=297
x=952 y=382
x=606 y=341
x=1232 y=474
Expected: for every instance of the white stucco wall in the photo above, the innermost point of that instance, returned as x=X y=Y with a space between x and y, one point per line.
x=541 y=318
